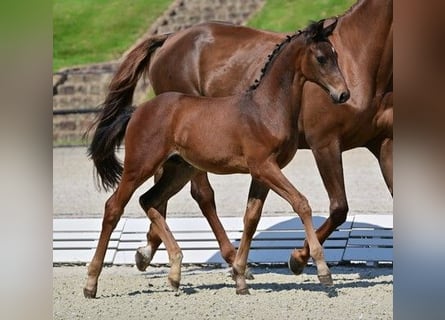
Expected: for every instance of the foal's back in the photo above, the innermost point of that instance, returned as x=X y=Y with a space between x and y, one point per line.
x=211 y=133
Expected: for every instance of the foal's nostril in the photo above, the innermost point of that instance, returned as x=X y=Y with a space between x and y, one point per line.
x=344 y=96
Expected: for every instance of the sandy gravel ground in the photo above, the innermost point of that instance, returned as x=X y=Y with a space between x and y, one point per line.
x=209 y=293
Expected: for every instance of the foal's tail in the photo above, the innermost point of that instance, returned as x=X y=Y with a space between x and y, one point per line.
x=113 y=119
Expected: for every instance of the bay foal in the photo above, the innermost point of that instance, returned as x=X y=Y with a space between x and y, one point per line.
x=254 y=132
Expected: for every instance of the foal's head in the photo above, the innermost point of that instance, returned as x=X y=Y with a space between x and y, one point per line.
x=319 y=63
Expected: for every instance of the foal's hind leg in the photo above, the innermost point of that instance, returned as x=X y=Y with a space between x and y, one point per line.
x=153 y=200
x=203 y=194
x=175 y=174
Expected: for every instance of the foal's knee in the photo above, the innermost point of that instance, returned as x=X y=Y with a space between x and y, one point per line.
x=338 y=212
x=302 y=208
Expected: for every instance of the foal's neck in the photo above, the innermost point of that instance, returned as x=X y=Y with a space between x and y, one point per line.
x=281 y=86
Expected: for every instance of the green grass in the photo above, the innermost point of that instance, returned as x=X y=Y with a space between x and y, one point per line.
x=87 y=31
x=290 y=15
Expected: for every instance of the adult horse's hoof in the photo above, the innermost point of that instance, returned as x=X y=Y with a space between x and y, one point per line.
x=296 y=265
x=326 y=279
x=142 y=258
x=242 y=291
x=90 y=294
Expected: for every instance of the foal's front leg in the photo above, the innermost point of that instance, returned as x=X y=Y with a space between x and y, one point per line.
x=330 y=165
x=270 y=174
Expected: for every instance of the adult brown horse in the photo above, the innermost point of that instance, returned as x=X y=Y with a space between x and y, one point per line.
x=253 y=132
x=214 y=59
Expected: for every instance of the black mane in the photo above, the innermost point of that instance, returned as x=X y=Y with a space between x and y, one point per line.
x=270 y=57
x=311 y=29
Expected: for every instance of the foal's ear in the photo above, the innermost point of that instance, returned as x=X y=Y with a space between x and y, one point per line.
x=317 y=30
x=329 y=26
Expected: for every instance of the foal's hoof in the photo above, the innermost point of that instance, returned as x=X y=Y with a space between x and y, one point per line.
x=296 y=265
x=141 y=259
x=242 y=291
x=326 y=279
x=174 y=284
x=90 y=294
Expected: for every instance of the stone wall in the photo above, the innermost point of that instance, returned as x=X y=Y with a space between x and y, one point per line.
x=79 y=91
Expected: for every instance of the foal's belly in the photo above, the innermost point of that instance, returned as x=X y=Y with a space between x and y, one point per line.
x=215 y=160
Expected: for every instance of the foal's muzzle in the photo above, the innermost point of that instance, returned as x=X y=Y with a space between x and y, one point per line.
x=342 y=97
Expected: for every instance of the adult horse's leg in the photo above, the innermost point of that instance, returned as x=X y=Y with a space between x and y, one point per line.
x=382 y=150
x=257 y=195
x=330 y=166
x=385 y=161
x=269 y=174
x=171 y=182
x=177 y=173
x=382 y=146
x=114 y=207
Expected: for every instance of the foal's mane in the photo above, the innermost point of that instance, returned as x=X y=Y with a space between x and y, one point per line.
x=278 y=47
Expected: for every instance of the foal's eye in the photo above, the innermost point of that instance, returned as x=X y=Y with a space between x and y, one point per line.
x=321 y=59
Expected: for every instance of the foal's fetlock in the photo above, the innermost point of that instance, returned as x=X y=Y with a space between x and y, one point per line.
x=90 y=289
x=238 y=275
x=241 y=285
x=248 y=274
x=143 y=257
x=174 y=276
x=174 y=279
x=174 y=283
x=242 y=291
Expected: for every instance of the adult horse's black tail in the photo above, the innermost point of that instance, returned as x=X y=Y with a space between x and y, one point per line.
x=113 y=119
